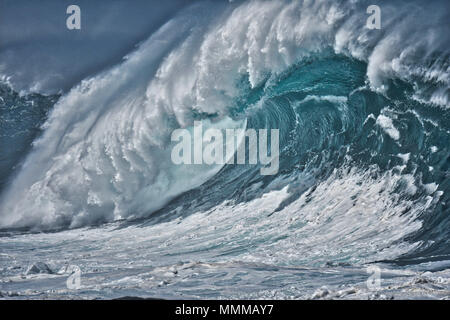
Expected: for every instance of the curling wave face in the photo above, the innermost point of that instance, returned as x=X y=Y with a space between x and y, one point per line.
x=364 y=135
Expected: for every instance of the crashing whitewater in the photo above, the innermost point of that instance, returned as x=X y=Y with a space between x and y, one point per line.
x=363 y=177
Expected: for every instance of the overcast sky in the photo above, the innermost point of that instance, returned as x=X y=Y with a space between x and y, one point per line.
x=38 y=52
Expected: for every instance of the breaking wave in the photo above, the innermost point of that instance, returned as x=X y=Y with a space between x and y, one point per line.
x=364 y=131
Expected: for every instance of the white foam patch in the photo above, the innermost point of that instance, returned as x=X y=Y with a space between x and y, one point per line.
x=388 y=126
x=404 y=156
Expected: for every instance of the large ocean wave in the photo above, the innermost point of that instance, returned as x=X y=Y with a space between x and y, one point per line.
x=364 y=133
